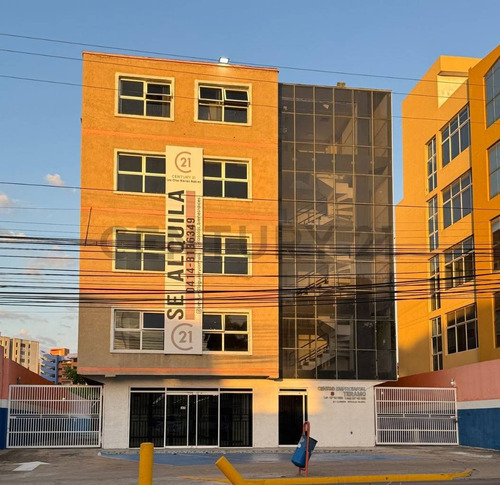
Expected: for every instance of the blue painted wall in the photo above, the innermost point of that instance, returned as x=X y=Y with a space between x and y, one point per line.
x=479 y=427
x=3 y=428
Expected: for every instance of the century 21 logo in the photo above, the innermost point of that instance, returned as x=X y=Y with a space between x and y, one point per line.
x=183 y=162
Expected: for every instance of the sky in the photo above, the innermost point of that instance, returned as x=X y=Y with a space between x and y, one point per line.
x=367 y=43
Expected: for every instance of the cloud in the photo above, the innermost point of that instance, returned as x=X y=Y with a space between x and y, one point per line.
x=6 y=233
x=24 y=333
x=46 y=341
x=55 y=179
x=5 y=201
x=21 y=317
x=43 y=339
x=51 y=259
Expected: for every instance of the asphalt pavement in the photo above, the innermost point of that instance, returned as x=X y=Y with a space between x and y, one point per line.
x=189 y=467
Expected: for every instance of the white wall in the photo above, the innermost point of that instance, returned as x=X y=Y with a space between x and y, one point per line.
x=341 y=413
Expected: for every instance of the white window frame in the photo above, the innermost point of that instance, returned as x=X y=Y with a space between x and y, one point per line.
x=447 y=134
x=496 y=318
x=433 y=223
x=224 y=86
x=455 y=258
x=495 y=247
x=223 y=332
x=435 y=284
x=494 y=155
x=143 y=173
x=141 y=250
x=493 y=93
x=223 y=178
x=455 y=327
x=431 y=165
x=223 y=253
x=456 y=200
x=139 y=330
x=436 y=341
x=146 y=78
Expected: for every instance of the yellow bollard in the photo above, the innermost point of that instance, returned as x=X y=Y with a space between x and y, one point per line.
x=231 y=473
x=146 y=454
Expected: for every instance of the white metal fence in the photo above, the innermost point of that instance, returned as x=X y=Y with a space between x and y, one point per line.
x=54 y=416
x=422 y=416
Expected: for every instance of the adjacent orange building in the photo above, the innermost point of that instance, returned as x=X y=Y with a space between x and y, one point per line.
x=448 y=224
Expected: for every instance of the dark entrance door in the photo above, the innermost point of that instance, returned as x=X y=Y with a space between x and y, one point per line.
x=292 y=414
x=147 y=417
x=198 y=418
x=177 y=420
x=207 y=413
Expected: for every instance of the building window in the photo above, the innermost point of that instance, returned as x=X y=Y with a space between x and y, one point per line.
x=495 y=236
x=431 y=165
x=225 y=179
x=223 y=104
x=459 y=263
x=494 y=165
x=142 y=97
x=433 y=223
x=135 y=330
x=223 y=332
x=457 y=200
x=140 y=251
x=437 y=344
x=435 y=292
x=493 y=94
x=141 y=173
x=497 y=319
x=462 y=329
x=455 y=136
x=225 y=255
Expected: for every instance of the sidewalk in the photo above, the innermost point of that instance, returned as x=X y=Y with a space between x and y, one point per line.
x=188 y=467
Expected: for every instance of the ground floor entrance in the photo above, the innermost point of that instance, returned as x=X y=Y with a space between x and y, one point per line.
x=191 y=417
x=192 y=412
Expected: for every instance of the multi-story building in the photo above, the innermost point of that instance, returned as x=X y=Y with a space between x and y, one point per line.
x=53 y=366
x=448 y=230
x=49 y=367
x=69 y=361
x=22 y=351
x=183 y=315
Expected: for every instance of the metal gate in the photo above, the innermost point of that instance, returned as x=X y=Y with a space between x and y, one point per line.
x=54 y=416
x=416 y=415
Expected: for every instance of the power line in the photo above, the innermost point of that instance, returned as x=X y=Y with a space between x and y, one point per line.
x=224 y=76
x=208 y=59
x=283 y=200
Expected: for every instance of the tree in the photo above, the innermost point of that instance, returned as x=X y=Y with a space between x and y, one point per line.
x=72 y=374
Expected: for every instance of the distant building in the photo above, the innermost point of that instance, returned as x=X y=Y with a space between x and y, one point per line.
x=69 y=361
x=12 y=373
x=62 y=351
x=54 y=364
x=22 y=351
x=49 y=366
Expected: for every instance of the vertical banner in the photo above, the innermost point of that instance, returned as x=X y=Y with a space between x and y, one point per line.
x=184 y=252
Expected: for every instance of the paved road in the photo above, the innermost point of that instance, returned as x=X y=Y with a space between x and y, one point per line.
x=85 y=466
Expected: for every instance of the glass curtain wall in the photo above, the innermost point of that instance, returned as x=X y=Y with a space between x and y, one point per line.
x=336 y=230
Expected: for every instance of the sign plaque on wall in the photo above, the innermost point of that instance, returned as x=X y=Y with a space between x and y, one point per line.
x=344 y=394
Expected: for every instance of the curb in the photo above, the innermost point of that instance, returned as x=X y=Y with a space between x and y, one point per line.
x=236 y=479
